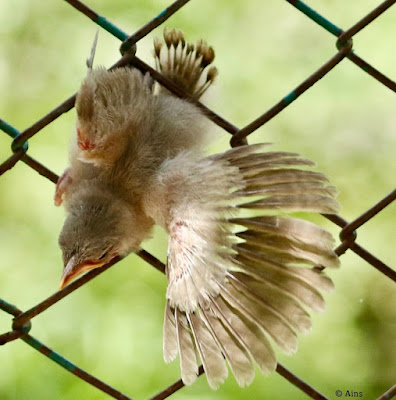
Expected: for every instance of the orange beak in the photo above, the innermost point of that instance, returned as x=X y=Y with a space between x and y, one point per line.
x=74 y=270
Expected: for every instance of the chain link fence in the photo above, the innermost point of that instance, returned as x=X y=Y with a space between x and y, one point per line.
x=21 y=324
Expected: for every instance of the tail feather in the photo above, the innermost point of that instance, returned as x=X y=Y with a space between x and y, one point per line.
x=184 y=64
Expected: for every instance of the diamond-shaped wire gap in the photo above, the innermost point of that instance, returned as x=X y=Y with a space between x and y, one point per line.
x=335 y=30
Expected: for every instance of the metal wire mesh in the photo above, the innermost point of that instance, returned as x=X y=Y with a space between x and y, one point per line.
x=348 y=234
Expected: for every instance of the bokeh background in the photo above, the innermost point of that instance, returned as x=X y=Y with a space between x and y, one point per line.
x=112 y=327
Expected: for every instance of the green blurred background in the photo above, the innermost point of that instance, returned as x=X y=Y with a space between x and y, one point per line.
x=112 y=327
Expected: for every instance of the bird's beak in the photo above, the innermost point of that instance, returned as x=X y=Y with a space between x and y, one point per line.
x=73 y=269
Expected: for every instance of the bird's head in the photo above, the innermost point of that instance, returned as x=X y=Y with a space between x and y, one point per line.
x=98 y=228
x=111 y=106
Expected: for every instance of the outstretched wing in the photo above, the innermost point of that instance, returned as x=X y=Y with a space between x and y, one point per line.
x=235 y=282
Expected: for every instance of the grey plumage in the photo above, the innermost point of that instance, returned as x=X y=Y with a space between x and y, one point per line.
x=234 y=281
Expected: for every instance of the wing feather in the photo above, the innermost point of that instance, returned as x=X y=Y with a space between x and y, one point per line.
x=264 y=316
x=234 y=351
x=170 y=344
x=242 y=331
x=236 y=282
x=209 y=351
x=188 y=359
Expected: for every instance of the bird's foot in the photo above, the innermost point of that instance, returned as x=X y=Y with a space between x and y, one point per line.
x=63 y=183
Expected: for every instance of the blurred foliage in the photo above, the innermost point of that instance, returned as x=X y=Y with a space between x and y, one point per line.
x=112 y=327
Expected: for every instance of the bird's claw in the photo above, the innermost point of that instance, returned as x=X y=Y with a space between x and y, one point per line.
x=61 y=186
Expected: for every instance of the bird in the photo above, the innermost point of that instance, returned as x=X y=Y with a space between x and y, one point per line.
x=116 y=109
x=241 y=265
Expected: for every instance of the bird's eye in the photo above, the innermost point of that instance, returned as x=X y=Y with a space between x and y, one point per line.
x=103 y=255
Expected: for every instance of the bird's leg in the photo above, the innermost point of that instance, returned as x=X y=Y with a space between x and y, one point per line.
x=63 y=183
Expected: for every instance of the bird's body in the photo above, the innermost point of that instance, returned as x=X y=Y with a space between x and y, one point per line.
x=233 y=280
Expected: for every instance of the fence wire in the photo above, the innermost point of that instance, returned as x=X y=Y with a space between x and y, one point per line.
x=21 y=325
